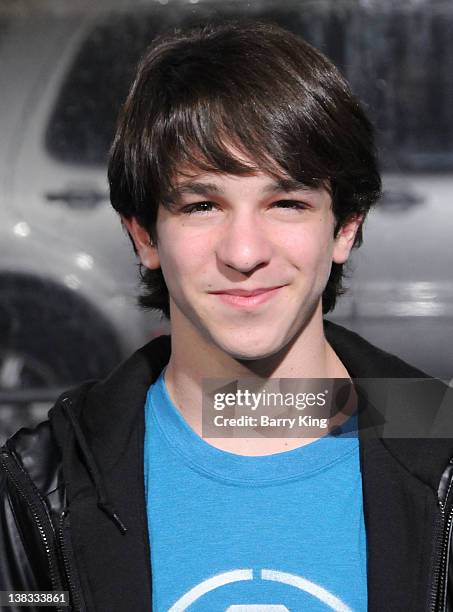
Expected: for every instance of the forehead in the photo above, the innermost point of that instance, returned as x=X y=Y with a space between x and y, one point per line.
x=201 y=183
x=260 y=179
x=241 y=172
x=236 y=165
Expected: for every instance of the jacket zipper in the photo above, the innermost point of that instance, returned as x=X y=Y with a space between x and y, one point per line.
x=26 y=490
x=64 y=547
x=438 y=594
x=445 y=560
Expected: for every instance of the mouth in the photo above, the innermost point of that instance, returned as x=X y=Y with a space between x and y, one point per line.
x=241 y=298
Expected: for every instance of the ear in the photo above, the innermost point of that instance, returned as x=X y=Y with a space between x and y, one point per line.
x=345 y=238
x=146 y=249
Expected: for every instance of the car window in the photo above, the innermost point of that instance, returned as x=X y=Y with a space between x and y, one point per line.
x=399 y=63
x=404 y=80
x=83 y=121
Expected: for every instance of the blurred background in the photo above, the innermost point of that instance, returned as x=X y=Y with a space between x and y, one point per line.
x=68 y=278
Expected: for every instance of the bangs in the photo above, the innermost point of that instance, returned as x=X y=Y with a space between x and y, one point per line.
x=229 y=135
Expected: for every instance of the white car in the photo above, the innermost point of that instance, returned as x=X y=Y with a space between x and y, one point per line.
x=68 y=278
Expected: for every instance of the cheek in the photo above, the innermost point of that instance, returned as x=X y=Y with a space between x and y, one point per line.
x=310 y=248
x=182 y=257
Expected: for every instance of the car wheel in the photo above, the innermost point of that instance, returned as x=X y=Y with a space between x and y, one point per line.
x=50 y=338
x=50 y=335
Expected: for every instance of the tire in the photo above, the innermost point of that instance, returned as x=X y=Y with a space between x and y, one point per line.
x=50 y=336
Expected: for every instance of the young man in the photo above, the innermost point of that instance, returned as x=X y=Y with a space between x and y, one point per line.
x=243 y=169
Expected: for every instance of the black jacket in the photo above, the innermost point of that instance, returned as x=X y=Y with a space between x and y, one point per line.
x=72 y=503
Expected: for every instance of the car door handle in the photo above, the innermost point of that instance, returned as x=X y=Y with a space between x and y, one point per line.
x=398 y=200
x=78 y=197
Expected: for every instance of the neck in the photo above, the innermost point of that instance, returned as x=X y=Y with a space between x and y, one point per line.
x=309 y=355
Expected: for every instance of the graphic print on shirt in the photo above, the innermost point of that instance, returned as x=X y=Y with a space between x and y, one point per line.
x=315 y=592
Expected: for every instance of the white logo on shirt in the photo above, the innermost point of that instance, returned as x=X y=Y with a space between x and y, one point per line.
x=317 y=591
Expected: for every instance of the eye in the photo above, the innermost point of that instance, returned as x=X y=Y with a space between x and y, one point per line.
x=291 y=204
x=198 y=207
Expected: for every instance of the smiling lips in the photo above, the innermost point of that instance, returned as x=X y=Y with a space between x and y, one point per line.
x=247 y=298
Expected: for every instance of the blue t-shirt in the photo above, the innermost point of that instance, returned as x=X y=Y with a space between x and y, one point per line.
x=234 y=533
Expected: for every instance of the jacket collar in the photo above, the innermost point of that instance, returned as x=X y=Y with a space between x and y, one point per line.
x=114 y=567
x=425 y=458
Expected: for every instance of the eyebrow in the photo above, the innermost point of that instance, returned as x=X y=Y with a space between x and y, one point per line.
x=285 y=185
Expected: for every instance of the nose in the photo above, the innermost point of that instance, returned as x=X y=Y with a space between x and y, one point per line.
x=244 y=245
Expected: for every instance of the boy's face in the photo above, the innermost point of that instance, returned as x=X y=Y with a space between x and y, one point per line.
x=245 y=259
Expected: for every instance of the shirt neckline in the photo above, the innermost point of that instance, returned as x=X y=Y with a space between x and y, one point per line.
x=215 y=463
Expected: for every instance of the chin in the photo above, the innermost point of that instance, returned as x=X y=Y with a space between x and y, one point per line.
x=250 y=348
